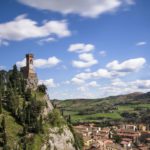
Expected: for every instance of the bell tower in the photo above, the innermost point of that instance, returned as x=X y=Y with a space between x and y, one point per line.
x=29 y=65
x=29 y=72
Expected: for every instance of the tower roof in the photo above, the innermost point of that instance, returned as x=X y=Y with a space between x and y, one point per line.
x=29 y=55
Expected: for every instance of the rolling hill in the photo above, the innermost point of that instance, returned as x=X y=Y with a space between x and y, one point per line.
x=109 y=108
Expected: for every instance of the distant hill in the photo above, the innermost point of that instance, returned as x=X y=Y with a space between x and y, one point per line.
x=136 y=97
x=111 y=107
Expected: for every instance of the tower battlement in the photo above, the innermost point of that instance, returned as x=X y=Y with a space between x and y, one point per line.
x=29 y=72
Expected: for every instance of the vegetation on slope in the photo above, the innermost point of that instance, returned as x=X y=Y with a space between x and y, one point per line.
x=20 y=110
x=22 y=125
x=128 y=108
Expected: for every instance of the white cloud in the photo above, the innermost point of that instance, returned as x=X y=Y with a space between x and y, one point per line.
x=102 y=53
x=119 y=87
x=81 y=48
x=85 y=60
x=49 y=83
x=21 y=63
x=82 y=64
x=86 y=87
x=115 y=87
x=86 y=57
x=82 y=89
x=114 y=69
x=142 y=84
x=101 y=73
x=93 y=84
x=129 y=65
x=84 y=76
x=85 y=8
x=141 y=43
x=46 y=40
x=77 y=81
x=118 y=83
x=22 y=28
x=41 y=63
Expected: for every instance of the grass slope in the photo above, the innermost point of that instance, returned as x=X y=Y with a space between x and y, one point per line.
x=122 y=103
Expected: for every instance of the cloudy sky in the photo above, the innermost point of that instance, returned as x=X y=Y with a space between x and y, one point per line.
x=82 y=48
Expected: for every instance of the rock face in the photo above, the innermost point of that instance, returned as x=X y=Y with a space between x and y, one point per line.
x=57 y=138
x=49 y=106
x=32 y=83
x=59 y=141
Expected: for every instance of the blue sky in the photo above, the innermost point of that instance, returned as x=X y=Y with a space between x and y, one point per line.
x=82 y=49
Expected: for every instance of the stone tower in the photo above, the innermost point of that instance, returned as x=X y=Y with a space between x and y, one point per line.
x=29 y=65
x=29 y=72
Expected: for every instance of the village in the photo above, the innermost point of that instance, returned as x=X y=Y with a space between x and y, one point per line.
x=122 y=137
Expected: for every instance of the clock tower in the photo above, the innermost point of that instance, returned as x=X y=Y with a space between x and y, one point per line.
x=29 y=72
x=29 y=65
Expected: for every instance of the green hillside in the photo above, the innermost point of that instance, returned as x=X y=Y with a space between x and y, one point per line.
x=121 y=108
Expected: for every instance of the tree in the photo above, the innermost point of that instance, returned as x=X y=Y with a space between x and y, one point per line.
x=4 y=138
x=28 y=95
x=15 y=71
x=23 y=84
x=55 y=118
x=116 y=137
x=0 y=102
x=25 y=129
x=28 y=114
x=12 y=101
x=69 y=119
x=38 y=125
x=41 y=123
x=24 y=143
x=3 y=124
x=3 y=82
x=62 y=112
x=14 y=76
x=23 y=114
x=42 y=88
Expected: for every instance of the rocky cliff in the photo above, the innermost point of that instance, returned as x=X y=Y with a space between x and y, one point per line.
x=58 y=138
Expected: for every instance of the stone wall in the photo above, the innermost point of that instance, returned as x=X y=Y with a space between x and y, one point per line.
x=32 y=83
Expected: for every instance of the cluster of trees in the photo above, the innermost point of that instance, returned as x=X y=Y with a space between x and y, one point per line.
x=103 y=107
x=20 y=102
x=3 y=135
x=42 y=88
x=55 y=118
x=139 y=116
